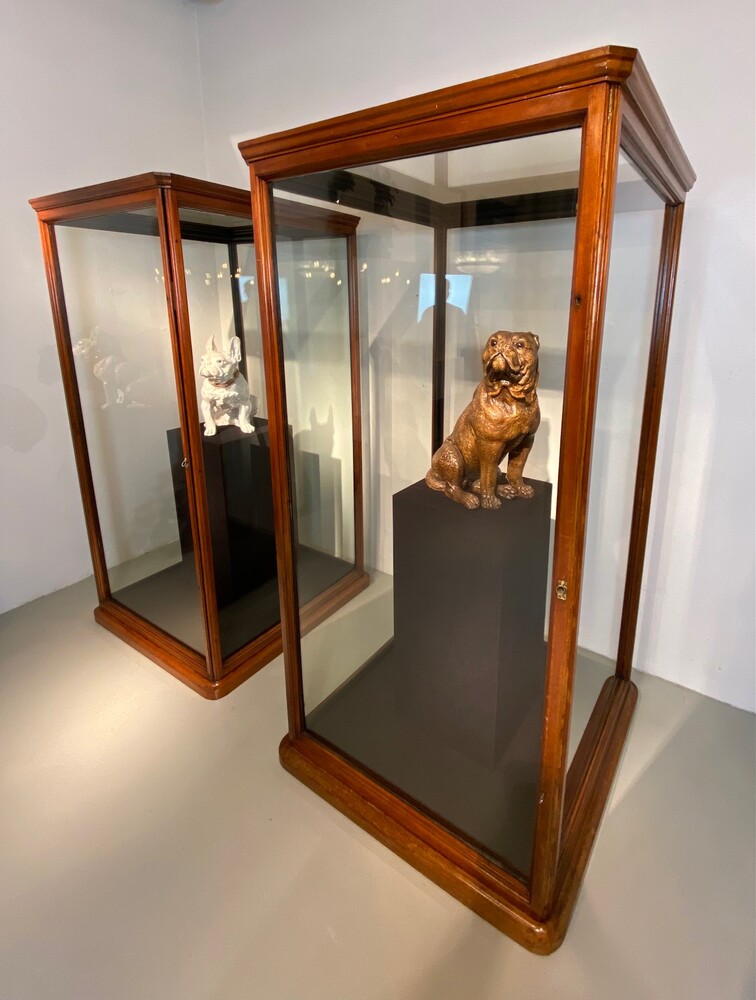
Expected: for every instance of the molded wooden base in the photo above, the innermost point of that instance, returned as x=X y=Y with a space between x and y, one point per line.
x=190 y=667
x=452 y=864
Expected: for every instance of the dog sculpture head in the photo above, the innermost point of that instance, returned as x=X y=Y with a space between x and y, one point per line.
x=217 y=367
x=510 y=360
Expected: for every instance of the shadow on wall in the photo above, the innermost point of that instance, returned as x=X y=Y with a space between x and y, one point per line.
x=318 y=437
x=319 y=489
x=48 y=365
x=23 y=423
x=401 y=404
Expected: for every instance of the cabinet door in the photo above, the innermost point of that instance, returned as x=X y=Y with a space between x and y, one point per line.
x=226 y=369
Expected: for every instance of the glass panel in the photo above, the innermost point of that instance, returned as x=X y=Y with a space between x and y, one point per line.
x=219 y=272
x=113 y=278
x=432 y=677
x=314 y=297
x=626 y=343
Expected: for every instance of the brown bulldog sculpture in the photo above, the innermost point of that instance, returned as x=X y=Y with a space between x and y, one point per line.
x=501 y=420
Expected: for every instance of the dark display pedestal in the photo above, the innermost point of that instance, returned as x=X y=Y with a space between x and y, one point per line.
x=449 y=712
x=469 y=606
x=240 y=508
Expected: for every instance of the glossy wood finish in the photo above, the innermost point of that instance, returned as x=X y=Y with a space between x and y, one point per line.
x=597 y=90
x=649 y=138
x=80 y=202
x=191 y=430
x=612 y=714
x=609 y=64
x=598 y=173
x=280 y=459
x=212 y=676
x=546 y=113
x=464 y=873
x=665 y=293
x=73 y=406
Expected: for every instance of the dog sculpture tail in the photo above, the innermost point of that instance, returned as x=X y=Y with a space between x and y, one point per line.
x=435 y=482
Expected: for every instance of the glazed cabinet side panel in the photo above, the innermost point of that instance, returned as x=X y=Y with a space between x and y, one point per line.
x=73 y=404
x=650 y=433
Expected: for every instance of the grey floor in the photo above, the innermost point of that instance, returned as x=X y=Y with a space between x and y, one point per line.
x=152 y=847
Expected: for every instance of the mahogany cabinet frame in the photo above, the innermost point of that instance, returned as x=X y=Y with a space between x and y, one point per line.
x=213 y=675
x=608 y=93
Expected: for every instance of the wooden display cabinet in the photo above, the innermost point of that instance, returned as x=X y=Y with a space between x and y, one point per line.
x=436 y=710
x=145 y=275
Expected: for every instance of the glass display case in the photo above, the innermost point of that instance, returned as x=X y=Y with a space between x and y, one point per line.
x=516 y=255
x=153 y=287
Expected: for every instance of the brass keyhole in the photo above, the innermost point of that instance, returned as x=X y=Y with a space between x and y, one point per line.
x=561 y=590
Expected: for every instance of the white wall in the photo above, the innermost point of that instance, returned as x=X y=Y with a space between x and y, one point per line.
x=90 y=92
x=316 y=61
x=96 y=91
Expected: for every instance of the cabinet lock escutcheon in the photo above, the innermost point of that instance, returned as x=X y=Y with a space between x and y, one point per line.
x=561 y=590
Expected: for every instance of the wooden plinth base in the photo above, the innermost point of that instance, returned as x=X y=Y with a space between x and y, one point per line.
x=190 y=667
x=452 y=864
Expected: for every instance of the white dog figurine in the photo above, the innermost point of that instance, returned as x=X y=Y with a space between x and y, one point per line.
x=225 y=393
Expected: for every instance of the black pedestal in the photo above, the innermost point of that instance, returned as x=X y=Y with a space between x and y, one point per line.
x=469 y=607
x=240 y=507
x=449 y=712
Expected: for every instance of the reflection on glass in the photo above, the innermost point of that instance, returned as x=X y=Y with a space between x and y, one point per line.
x=219 y=270
x=112 y=271
x=432 y=678
x=318 y=377
x=626 y=342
